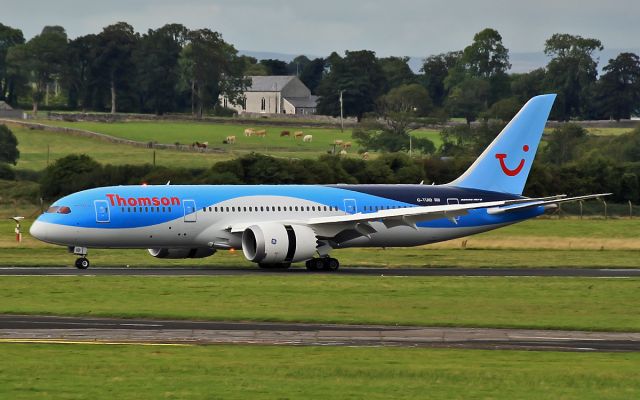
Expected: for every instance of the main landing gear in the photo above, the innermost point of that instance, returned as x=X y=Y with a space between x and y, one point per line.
x=82 y=262
x=323 y=264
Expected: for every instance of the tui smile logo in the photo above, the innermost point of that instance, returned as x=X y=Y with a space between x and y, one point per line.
x=511 y=172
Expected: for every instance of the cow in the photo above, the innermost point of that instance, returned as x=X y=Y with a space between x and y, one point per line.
x=338 y=142
x=261 y=133
x=249 y=132
x=307 y=138
x=199 y=145
x=346 y=145
x=343 y=152
x=285 y=133
x=298 y=134
x=230 y=140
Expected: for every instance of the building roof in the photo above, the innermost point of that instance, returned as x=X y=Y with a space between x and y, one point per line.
x=303 y=102
x=5 y=107
x=269 y=83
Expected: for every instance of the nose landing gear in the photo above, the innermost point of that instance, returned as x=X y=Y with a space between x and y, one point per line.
x=82 y=262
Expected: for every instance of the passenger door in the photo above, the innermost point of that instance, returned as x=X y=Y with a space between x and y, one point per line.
x=350 y=206
x=103 y=215
x=190 y=212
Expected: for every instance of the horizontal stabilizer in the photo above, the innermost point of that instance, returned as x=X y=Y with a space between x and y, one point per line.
x=529 y=203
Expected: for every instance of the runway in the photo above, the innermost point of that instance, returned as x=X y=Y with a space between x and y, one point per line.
x=44 y=329
x=549 y=272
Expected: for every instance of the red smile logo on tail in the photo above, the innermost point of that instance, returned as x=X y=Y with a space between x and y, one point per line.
x=505 y=169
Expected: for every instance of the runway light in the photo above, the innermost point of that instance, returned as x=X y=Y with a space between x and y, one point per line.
x=232 y=250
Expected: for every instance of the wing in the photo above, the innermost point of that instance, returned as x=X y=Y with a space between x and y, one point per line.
x=359 y=224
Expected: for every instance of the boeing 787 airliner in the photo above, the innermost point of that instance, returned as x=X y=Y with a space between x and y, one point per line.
x=276 y=225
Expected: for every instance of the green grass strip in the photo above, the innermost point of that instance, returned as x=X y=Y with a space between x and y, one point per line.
x=269 y=372
x=555 y=303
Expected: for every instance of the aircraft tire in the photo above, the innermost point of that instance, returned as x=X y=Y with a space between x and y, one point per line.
x=82 y=263
x=331 y=264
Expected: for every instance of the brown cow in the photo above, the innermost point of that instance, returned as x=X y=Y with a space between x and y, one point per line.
x=298 y=134
x=261 y=133
x=285 y=133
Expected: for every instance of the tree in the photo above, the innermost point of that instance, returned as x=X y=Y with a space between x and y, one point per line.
x=78 y=72
x=42 y=59
x=312 y=73
x=9 y=37
x=113 y=61
x=488 y=59
x=571 y=72
x=398 y=111
x=70 y=174
x=275 y=67
x=359 y=76
x=297 y=65
x=397 y=71
x=156 y=58
x=527 y=85
x=468 y=99
x=436 y=69
x=504 y=109
x=563 y=144
x=212 y=68
x=619 y=87
x=8 y=146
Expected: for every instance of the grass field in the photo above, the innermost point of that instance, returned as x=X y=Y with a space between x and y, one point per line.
x=269 y=372
x=554 y=303
x=33 y=144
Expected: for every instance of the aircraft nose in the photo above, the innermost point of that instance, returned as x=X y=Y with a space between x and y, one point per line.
x=38 y=230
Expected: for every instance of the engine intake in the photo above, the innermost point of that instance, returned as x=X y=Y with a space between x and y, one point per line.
x=199 y=252
x=273 y=243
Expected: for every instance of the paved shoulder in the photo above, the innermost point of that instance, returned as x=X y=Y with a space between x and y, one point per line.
x=40 y=329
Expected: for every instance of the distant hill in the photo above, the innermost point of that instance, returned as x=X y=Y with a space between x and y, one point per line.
x=520 y=62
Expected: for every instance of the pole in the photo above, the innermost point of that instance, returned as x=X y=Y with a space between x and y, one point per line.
x=154 y=158
x=341 y=113
x=48 y=153
x=630 y=210
x=410 y=145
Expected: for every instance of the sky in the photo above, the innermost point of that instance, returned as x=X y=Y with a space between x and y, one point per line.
x=389 y=27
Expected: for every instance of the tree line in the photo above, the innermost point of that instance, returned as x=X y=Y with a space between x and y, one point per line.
x=174 y=69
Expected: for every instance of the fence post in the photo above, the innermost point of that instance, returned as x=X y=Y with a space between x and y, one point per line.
x=630 y=210
x=580 y=208
x=605 y=209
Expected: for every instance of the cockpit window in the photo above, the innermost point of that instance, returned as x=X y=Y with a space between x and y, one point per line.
x=58 y=210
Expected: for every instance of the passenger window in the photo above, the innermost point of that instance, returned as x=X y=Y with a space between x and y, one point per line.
x=169 y=209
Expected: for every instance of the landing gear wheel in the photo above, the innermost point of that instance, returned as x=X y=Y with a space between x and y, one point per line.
x=331 y=264
x=82 y=263
x=315 y=264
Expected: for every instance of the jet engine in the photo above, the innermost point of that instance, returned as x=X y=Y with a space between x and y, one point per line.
x=274 y=243
x=199 y=252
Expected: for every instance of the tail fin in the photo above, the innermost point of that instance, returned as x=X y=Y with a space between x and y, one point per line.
x=504 y=166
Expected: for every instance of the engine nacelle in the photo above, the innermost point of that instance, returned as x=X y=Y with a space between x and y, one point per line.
x=274 y=243
x=200 y=252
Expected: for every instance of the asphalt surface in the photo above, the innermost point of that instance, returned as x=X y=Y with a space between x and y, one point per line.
x=552 y=272
x=45 y=329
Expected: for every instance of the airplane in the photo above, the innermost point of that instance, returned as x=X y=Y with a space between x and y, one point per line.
x=277 y=225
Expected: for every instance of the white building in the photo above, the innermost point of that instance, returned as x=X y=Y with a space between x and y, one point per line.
x=275 y=95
